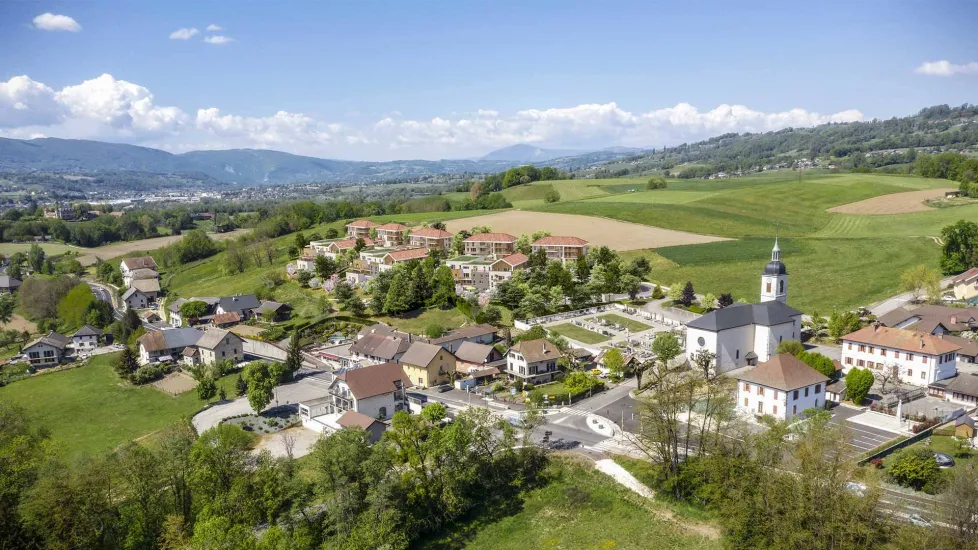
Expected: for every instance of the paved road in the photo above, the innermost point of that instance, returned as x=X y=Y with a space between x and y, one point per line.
x=900 y=300
x=288 y=395
x=104 y=294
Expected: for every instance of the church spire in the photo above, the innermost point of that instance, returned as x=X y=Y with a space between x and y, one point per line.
x=776 y=251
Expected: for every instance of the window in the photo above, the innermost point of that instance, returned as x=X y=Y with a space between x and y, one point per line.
x=760 y=407
x=923 y=359
x=818 y=388
x=775 y=410
x=848 y=360
x=861 y=363
x=909 y=357
x=781 y=290
x=909 y=372
x=870 y=364
x=794 y=410
x=382 y=412
x=923 y=375
x=806 y=392
x=745 y=402
x=779 y=339
x=796 y=394
x=775 y=394
x=768 y=288
x=850 y=346
x=882 y=352
x=760 y=391
x=862 y=348
x=738 y=355
x=871 y=349
x=746 y=387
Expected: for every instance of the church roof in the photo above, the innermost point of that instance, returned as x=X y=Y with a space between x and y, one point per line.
x=775 y=268
x=737 y=315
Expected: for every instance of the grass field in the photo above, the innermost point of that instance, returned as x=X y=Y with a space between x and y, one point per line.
x=51 y=249
x=89 y=410
x=631 y=325
x=575 y=332
x=416 y=321
x=580 y=509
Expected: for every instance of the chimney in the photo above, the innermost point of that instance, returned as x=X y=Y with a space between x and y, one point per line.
x=921 y=343
x=954 y=319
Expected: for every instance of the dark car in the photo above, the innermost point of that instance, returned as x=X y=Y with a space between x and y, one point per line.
x=444 y=388
x=943 y=460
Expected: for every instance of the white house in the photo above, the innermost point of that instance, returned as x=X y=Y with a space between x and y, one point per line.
x=746 y=334
x=782 y=387
x=966 y=284
x=241 y=304
x=218 y=344
x=47 y=350
x=533 y=361
x=166 y=345
x=135 y=299
x=85 y=338
x=376 y=391
x=919 y=358
x=129 y=265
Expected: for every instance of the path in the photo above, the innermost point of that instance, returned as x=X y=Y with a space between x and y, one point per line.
x=900 y=300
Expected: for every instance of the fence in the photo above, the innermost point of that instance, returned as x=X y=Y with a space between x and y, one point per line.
x=886 y=451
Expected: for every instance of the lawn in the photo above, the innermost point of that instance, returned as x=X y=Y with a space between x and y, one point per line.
x=575 y=332
x=416 y=321
x=942 y=444
x=89 y=410
x=579 y=509
x=631 y=325
x=51 y=249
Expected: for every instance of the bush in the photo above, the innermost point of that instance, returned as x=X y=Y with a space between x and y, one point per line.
x=877 y=463
x=146 y=374
x=793 y=347
x=535 y=397
x=657 y=293
x=921 y=426
x=915 y=467
x=551 y=196
x=656 y=183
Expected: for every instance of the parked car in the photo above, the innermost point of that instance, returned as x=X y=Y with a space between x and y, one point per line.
x=857 y=488
x=444 y=388
x=943 y=460
x=919 y=521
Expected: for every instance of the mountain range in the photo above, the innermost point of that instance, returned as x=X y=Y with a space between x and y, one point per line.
x=255 y=167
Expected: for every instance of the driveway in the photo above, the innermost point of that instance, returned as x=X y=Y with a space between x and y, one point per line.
x=302 y=440
x=287 y=394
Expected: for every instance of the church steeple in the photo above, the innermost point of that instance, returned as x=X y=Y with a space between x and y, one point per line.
x=774 y=280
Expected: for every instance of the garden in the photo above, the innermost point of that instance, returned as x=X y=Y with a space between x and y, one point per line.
x=271 y=421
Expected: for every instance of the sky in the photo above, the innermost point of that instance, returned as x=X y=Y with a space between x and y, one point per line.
x=373 y=80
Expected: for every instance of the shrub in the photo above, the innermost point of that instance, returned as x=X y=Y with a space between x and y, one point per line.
x=657 y=293
x=914 y=467
x=921 y=426
x=551 y=196
x=535 y=397
x=877 y=463
x=146 y=374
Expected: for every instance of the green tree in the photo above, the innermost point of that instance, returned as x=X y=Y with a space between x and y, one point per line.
x=7 y=305
x=434 y=330
x=194 y=309
x=675 y=292
x=917 y=278
x=551 y=196
x=442 y=287
x=843 y=323
x=819 y=362
x=614 y=362
x=293 y=357
x=794 y=347
x=858 y=383
x=206 y=388
x=325 y=267
x=262 y=379
x=36 y=257
x=74 y=307
x=127 y=363
x=914 y=467
x=240 y=386
x=960 y=249
x=688 y=295
x=195 y=245
x=23 y=450
x=817 y=326
x=397 y=300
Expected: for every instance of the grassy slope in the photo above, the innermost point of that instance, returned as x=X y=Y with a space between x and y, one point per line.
x=580 y=509
x=89 y=410
x=577 y=333
x=416 y=321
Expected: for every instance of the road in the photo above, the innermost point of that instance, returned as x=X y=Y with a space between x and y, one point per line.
x=104 y=294
x=900 y=300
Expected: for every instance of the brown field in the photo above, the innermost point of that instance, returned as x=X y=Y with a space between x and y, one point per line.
x=896 y=203
x=20 y=324
x=614 y=234
x=175 y=383
x=110 y=251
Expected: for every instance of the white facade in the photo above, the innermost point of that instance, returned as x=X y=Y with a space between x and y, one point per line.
x=537 y=372
x=762 y=400
x=41 y=355
x=774 y=281
x=913 y=367
x=85 y=342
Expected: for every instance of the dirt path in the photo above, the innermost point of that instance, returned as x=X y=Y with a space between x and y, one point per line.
x=614 y=234
x=894 y=203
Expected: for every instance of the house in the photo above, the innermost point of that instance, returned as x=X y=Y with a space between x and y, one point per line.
x=932 y=319
x=471 y=271
x=217 y=344
x=128 y=265
x=149 y=287
x=966 y=284
x=835 y=390
x=969 y=348
x=9 y=285
x=563 y=249
x=275 y=311
x=428 y=365
x=478 y=334
x=533 y=361
x=380 y=348
x=224 y=320
x=747 y=334
x=496 y=245
x=401 y=256
x=242 y=305
x=376 y=391
x=962 y=389
x=139 y=274
x=86 y=338
x=431 y=239
x=176 y=318
x=46 y=351
x=360 y=229
x=166 y=345
x=918 y=357
x=581 y=357
x=391 y=234
x=471 y=355
x=135 y=299
x=503 y=268
x=783 y=387
x=358 y=421
x=964 y=427
x=335 y=249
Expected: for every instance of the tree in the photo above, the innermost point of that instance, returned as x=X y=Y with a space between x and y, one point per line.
x=916 y=278
x=206 y=388
x=819 y=362
x=36 y=257
x=675 y=292
x=688 y=296
x=582 y=269
x=434 y=330
x=325 y=267
x=858 y=383
x=961 y=504
x=960 y=250
x=240 y=386
x=843 y=323
x=195 y=245
x=434 y=412
x=127 y=363
x=293 y=357
x=631 y=285
x=262 y=379
x=665 y=348
x=640 y=267
x=397 y=300
x=817 y=326
x=710 y=302
x=614 y=362
x=442 y=287
x=73 y=308
x=491 y=315
x=656 y=183
x=23 y=450
x=7 y=305
x=100 y=314
x=914 y=467
x=194 y=309
x=551 y=196
x=15 y=270
x=794 y=347
x=885 y=374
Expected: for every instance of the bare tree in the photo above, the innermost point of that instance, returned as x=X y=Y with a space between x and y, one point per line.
x=886 y=374
x=961 y=504
x=288 y=442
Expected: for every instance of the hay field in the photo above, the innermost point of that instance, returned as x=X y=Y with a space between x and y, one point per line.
x=614 y=234
x=894 y=203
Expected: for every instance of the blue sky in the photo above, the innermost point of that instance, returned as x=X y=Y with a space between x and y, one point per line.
x=383 y=80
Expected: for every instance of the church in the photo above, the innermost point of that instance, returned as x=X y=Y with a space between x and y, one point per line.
x=743 y=335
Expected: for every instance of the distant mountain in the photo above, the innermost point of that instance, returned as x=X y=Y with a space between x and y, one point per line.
x=529 y=153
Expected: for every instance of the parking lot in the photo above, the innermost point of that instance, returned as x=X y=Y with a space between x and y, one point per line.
x=860 y=437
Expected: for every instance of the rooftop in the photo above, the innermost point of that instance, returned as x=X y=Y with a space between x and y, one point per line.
x=362 y=223
x=391 y=227
x=420 y=353
x=902 y=339
x=373 y=380
x=537 y=350
x=491 y=238
x=553 y=240
x=738 y=315
x=783 y=372
x=430 y=233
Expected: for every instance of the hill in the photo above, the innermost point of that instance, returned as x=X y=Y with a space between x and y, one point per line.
x=528 y=153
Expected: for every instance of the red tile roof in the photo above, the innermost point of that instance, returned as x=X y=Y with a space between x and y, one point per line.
x=491 y=238
x=515 y=259
x=354 y=419
x=408 y=254
x=901 y=339
x=391 y=227
x=430 y=233
x=783 y=372
x=362 y=223
x=971 y=273
x=350 y=243
x=366 y=382
x=560 y=241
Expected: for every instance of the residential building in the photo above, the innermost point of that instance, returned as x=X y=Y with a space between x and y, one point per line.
x=962 y=389
x=173 y=312
x=563 y=249
x=783 y=387
x=533 y=361
x=9 y=285
x=217 y=344
x=86 y=338
x=391 y=234
x=496 y=245
x=395 y=257
x=969 y=348
x=503 y=268
x=380 y=348
x=377 y=391
x=47 y=351
x=128 y=265
x=166 y=345
x=149 y=287
x=242 y=304
x=135 y=299
x=472 y=272
x=431 y=239
x=139 y=274
x=932 y=319
x=360 y=229
x=335 y=249
x=918 y=358
x=471 y=355
x=224 y=320
x=428 y=365
x=275 y=311
x=478 y=334
x=747 y=334
x=966 y=285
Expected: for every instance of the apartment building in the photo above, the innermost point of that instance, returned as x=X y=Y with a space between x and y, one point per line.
x=533 y=361
x=562 y=249
x=391 y=234
x=497 y=245
x=782 y=387
x=360 y=229
x=395 y=257
x=431 y=239
x=919 y=358
x=503 y=268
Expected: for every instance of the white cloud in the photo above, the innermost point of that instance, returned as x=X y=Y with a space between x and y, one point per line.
x=946 y=68
x=109 y=108
x=218 y=39
x=52 y=22
x=214 y=28
x=184 y=34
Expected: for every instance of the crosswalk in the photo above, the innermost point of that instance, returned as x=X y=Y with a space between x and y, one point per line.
x=615 y=446
x=575 y=412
